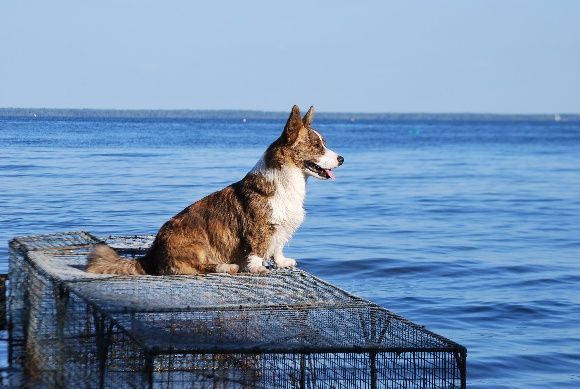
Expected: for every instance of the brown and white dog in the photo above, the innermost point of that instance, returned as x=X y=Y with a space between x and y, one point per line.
x=243 y=224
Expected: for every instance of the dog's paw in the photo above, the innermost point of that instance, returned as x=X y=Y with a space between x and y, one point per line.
x=259 y=270
x=285 y=262
x=227 y=268
x=256 y=265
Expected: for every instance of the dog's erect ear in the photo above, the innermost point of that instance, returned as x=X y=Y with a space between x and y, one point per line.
x=309 y=117
x=293 y=126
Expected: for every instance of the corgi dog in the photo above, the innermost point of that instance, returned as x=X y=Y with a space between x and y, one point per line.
x=240 y=226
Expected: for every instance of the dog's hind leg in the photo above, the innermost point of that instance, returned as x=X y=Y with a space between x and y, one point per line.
x=231 y=268
x=187 y=269
x=187 y=259
x=183 y=268
x=193 y=259
x=219 y=268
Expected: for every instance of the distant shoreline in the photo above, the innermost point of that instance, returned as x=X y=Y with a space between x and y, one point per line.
x=264 y=115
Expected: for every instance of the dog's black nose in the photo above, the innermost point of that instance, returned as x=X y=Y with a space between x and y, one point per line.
x=340 y=160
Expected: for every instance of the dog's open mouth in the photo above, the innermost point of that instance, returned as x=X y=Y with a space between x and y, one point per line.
x=319 y=171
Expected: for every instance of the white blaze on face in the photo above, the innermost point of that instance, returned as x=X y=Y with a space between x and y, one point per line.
x=328 y=160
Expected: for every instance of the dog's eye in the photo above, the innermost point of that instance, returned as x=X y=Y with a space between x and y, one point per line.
x=316 y=141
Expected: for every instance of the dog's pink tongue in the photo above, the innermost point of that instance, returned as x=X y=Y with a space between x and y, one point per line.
x=330 y=174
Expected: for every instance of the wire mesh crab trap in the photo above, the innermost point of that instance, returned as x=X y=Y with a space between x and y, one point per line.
x=287 y=329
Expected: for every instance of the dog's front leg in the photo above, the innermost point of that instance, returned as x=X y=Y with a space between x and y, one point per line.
x=256 y=264
x=281 y=260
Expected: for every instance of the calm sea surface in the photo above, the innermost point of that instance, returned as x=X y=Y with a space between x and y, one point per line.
x=469 y=228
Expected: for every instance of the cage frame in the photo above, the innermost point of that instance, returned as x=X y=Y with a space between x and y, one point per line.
x=32 y=248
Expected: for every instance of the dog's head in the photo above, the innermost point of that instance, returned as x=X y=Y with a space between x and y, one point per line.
x=304 y=147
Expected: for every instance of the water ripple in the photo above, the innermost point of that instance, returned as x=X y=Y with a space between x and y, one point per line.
x=470 y=228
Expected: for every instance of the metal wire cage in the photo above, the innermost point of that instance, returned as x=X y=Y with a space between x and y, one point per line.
x=286 y=329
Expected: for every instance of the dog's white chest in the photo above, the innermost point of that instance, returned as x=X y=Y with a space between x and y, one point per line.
x=287 y=206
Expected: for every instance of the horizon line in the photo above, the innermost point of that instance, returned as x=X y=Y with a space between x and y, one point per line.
x=258 y=111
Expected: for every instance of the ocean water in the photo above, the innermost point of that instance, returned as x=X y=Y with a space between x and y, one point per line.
x=471 y=228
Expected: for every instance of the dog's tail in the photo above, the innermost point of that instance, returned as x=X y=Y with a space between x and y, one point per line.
x=104 y=260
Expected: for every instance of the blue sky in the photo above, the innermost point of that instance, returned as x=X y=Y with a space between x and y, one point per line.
x=366 y=56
